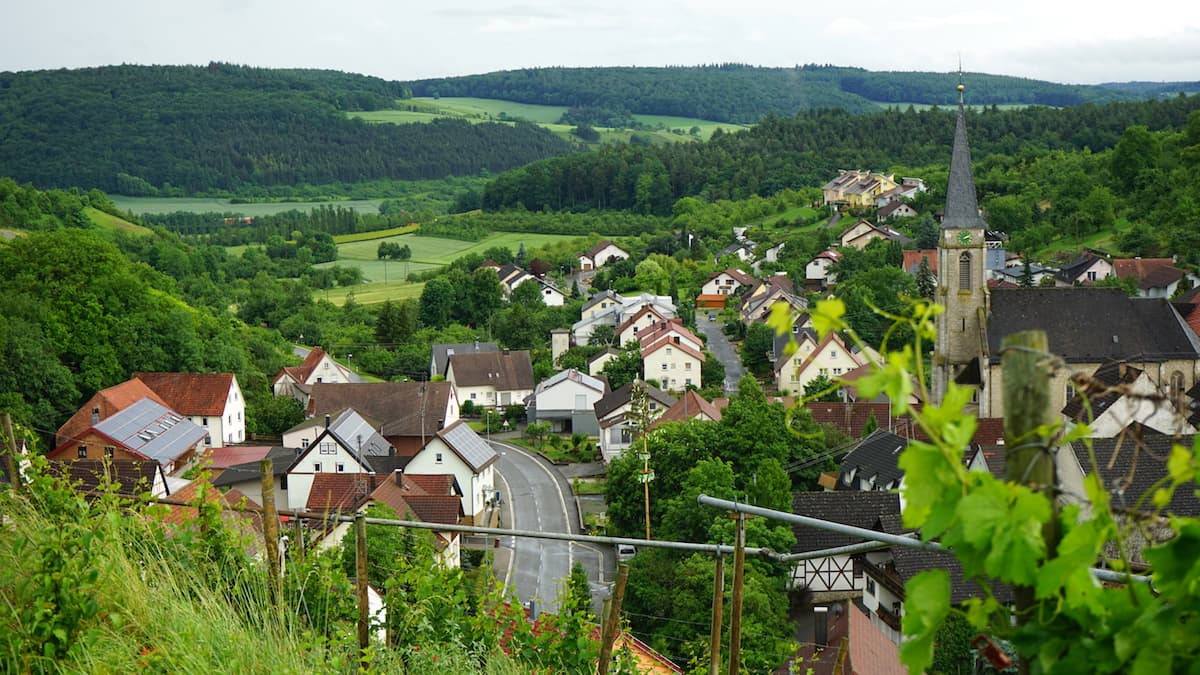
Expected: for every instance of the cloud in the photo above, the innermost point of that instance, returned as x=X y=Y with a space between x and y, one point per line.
x=928 y=23
x=844 y=25
x=1169 y=57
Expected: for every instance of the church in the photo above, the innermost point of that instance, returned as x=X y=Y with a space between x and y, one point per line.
x=1087 y=327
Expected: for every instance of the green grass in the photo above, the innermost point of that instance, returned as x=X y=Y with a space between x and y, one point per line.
x=377 y=234
x=111 y=222
x=588 y=486
x=495 y=109
x=140 y=205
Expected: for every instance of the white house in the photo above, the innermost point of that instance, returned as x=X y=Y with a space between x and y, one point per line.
x=817 y=270
x=617 y=427
x=835 y=576
x=492 y=379
x=643 y=319
x=1119 y=396
x=617 y=313
x=296 y=381
x=830 y=357
x=600 y=255
x=458 y=450
x=512 y=276
x=351 y=446
x=726 y=283
x=600 y=303
x=674 y=365
x=212 y=401
x=1085 y=270
x=567 y=400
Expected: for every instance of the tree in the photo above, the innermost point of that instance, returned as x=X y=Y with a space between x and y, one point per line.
x=437 y=301
x=757 y=347
x=821 y=388
x=926 y=282
x=624 y=368
x=1026 y=279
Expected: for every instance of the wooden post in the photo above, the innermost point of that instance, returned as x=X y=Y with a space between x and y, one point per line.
x=360 y=573
x=735 y=618
x=612 y=622
x=714 y=639
x=271 y=528
x=1029 y=462
x=10 y=455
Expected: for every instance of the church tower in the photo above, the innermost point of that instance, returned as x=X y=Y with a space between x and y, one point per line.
x=962 y=281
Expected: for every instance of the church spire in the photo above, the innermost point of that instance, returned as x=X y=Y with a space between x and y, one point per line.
x=962 y=206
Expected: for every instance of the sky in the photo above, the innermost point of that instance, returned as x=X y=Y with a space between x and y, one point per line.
x=1067 y=41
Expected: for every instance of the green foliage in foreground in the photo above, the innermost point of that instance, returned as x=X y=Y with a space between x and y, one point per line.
x=109 y=586
x=997 y=531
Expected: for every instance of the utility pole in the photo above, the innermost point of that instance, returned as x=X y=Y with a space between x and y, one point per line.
x=271 y=529
x=360 y=572
x=1023 y=363
x=714 y=638
x=612 y=622
x=735 y=619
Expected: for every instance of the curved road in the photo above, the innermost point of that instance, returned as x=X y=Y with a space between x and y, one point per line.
x=536 y=497
x=719 y=345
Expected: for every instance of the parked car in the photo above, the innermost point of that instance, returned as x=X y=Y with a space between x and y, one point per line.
x=625 y=552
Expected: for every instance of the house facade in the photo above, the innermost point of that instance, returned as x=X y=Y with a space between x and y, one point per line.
x=600 y=255
x=726 y=283
x=408 y=413
x=567 y=400
x=816 y=272
x=857 y=189
x=211 y=400
x=104 y=404
x=491 y=380
x=617 y=426
x=459 y=451
x=146 y=430
x=674 y=365
x=830 y=357
x=317 y=368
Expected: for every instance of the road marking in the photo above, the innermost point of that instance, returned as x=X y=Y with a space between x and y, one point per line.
x=557 y=488
x=511 y=516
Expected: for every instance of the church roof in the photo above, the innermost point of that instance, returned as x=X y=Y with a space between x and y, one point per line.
x=962 y=206
x=1092 y=325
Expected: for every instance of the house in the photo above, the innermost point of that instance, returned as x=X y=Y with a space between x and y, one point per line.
x=1012 y=273
x=853 y=418
x=829 y=357
x=616 y=313
x=895 y=209
x=567 y=400
x=1084 y=270
x=597 y=362
x=1085 y=327
x=103 y=404
x=146 y=430
x=743 y=249
x=318 y=367
x=913 y=258
x=347 y=423
x=1130 y=467
x=512 y=276
x=459 y=451
x=493 y=380
x=726 y=283
x=427 y=498
x=816 y=271
x=641 y=320
x=241 y=514
x=617 y=424
x=873 y=463
x=847 y=642
x=212 y=400
x=864 y=232
x=600 y=255
x=441 y=353
x=757 y=303
x=857 y=189
x=672 y=331
x=232 y=468
x=675 y=365
x=600 y=303
x=908 y=188
x=1155 y=277
x=131 y=478
x=771 y=253
x=690 y=406
x=349 y=446
x=836 y=576
x=409 y=413
x=1118 y=396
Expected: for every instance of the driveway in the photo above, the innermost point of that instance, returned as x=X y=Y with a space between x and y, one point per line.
x=538 y=498
x=721 y=348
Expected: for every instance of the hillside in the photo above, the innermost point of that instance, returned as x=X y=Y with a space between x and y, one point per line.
x=185 y=130
x=743 y=94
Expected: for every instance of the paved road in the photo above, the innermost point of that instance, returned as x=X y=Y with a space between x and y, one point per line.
x=719 y=345
x=537 y=498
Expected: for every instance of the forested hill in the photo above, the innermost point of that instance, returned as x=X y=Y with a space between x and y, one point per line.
x=744 y=94
x=808 y=149
x=141 y=130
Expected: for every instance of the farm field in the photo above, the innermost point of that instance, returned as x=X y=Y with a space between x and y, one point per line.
x=384 y=280
x=109 y=221
x=140 y=205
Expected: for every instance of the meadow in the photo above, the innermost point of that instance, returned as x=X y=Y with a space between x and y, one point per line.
x=140 y=205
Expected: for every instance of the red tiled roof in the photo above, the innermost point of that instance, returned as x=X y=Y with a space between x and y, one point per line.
x=912 y=259
x=338 y=491
x=1149 y=272
x=223 y=458
x=232 y=500
x=301 y=372
x=683 y=347
x=690 y=406
x=191 y=393
x=851 y=418
x=637 y=315
x=431 y=483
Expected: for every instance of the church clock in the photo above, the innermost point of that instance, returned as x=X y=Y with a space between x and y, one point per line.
x=964 y=237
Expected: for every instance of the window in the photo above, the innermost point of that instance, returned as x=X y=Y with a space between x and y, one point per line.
x=437 y=459
x=341 y=468
x=664 y=366
x=110 y=451
x=687 y=366
x=316 y=467
x=653 y=405
x=1091 y=275
x=82 y=452
x=304 y=442
x=964 y=271
x=239 y=415
x=1070 y=393
x=668 y=351
x=833 y=353
x=208 y=439
x=472 y=396
x=824 y=371
x=837 y=371
x=687 y=380
x=1176 y=385
x=328 y=448
x=318 y=380
x=204 y=422
x=870 y=586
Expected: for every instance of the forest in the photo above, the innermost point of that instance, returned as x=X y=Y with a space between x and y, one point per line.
x=741 y=93
x=186 y=130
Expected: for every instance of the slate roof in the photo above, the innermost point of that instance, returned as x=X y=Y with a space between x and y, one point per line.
x=203 y=394
x=130 y=477
x=1076 y=267
x=909 y=562
x=1099 y=391
x=441 y=353
x=600 y=297
x=1132 y=463
x=962 y=204
x=572 y=375
x=1092 y=324
x=615 y=399
x=859 y=508
x=400 y=407
x=467 y=444
x=876 y=455
x=251 y=470
x=505 y=370
x=152 y=431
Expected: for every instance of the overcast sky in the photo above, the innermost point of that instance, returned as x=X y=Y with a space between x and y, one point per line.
x=1058 y=40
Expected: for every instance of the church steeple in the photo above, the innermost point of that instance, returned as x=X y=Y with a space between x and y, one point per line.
x=962 y=206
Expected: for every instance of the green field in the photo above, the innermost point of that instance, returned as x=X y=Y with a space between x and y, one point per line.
x=386 y=280
x=662 y=128
x=109 y=221
x=140 y=205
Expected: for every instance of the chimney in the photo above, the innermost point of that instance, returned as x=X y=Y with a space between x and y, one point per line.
x=391 y=451
x=399 y=476
x=327 y=421
x=371 y=481
x=96 y=415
